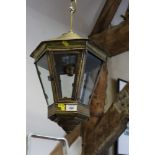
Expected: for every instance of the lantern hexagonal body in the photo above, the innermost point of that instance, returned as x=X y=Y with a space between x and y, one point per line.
x=68 y=70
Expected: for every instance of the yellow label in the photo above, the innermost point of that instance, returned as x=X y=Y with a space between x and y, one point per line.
x=65 y=43
x=62 y=106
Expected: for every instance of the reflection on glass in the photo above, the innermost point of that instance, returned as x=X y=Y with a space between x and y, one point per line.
x=65 y=70
x=92 y=67
x=43 y=73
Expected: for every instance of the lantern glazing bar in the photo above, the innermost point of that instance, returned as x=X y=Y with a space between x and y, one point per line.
x=53 y=82
x=65 y=65
x=91 y=71
x=56 y=86
x=43 y=73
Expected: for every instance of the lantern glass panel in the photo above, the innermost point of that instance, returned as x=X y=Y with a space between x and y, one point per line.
x=91 y=71
x=66 y=65
x=43 y=73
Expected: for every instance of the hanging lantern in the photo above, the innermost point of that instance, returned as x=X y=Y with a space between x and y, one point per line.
x=68 y=69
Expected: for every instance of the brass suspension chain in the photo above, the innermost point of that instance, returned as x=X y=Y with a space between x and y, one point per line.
x=72 y=11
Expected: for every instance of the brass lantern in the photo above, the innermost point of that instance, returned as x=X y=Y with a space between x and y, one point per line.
x=68 y=68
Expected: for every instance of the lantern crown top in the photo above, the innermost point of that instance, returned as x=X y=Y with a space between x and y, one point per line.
x=69 y=36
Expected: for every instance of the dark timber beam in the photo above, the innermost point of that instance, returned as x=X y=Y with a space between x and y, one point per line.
x=96 y=112
x=114 y=40
x=106 y=16
x=109 y=127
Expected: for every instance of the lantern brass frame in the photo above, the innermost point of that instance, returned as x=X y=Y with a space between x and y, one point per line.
x=69 y=46
x=69 y=42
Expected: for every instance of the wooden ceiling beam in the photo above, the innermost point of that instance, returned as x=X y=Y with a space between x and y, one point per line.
x=114 y=40
x=109 y=127
x=106 y=16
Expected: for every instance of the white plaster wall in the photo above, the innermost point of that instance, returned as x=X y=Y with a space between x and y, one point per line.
x=58 y=10
x=119 y=66
x=40 y=27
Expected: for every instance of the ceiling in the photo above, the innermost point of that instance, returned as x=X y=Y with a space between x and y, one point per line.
x=87 y=12
x=86 y=16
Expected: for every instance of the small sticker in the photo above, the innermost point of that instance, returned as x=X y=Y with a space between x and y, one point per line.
x=65 y=43
x=71 y=107
x=62 y=106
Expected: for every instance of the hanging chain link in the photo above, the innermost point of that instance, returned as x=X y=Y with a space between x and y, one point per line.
x=72 y=11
